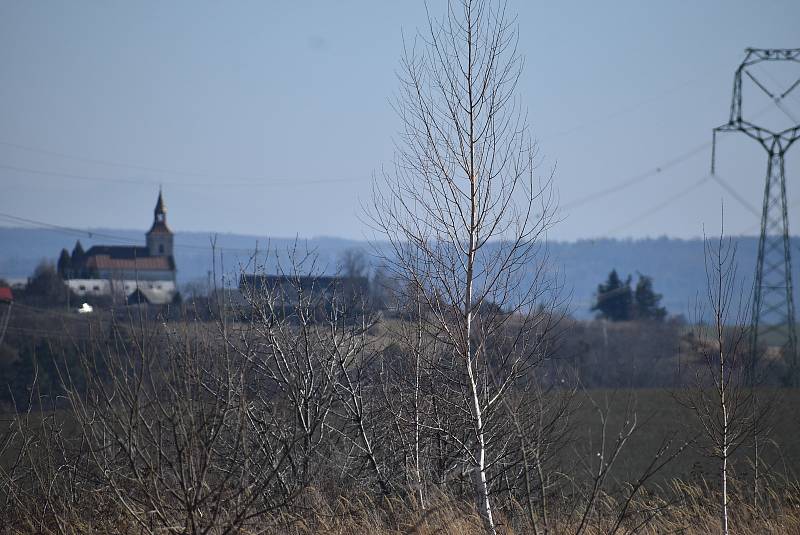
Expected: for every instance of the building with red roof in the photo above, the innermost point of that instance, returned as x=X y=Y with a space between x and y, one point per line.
x=6 y=295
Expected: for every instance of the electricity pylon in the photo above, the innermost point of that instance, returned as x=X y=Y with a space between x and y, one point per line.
x=773 y=319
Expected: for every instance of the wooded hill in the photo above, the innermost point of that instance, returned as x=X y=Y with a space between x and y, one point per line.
x=676 y=265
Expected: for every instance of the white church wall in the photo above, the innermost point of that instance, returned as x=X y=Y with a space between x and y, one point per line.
x=158 y=291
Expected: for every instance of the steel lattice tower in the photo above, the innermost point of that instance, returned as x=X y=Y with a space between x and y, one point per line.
x=773 y=315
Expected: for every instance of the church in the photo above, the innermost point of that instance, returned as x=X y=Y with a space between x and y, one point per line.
x=134 y=273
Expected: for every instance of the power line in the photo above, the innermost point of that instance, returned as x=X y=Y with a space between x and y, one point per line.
x=627 y=109
x=775 y=99
x=660 y=206
x=789 y=114
x=249 y=180
x=665 y=203
x=638 y=178
x=64 y=229
x=92 y=234
x=140 y=181
x=77 y=177
x=99 y=161
x=788 y=91
x=727 y=187
x=660 y=169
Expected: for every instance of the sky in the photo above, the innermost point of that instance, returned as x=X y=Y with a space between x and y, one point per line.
x=271 y=118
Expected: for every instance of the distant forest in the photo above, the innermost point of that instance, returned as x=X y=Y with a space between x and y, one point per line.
x=675 y=265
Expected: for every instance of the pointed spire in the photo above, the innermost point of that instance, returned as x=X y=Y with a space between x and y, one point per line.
x=161 y=208
x=160 y=215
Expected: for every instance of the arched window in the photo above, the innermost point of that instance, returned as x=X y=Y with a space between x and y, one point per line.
x=160 y=248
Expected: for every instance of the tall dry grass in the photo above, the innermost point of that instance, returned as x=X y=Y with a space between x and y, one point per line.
x=692 y=509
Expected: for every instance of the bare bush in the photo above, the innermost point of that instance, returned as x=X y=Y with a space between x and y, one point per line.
x=172 y=432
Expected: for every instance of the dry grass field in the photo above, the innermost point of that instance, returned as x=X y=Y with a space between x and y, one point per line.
x=659 y=416
x=694 y=512
x=682 y=498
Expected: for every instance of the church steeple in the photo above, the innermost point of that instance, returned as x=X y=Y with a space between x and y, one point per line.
x=159 y=238
x=160 y=212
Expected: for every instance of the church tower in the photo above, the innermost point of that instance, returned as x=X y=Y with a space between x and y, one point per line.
x=159 y=237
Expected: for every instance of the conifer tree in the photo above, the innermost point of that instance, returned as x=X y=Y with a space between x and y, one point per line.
x=614 y=299
x=64 y=264
x=647 y=301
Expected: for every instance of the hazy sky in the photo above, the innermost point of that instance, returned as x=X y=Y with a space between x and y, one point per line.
x=207 y=97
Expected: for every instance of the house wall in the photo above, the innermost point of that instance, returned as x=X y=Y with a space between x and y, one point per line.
x=165 y=290
x=142 y=275
x=84 y=287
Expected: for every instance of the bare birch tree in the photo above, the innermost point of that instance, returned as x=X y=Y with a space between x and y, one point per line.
x=466 y=217
x=722 y=401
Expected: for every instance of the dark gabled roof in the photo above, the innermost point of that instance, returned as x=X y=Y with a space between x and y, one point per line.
x=119 y=252
x=138 y=297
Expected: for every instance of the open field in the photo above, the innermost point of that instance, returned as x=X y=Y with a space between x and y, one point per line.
x=685 y=491
x=660 y=417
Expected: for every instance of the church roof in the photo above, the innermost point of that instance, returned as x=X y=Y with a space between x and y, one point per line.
x=147 y=263
x=126 y=257
x=119 y=251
